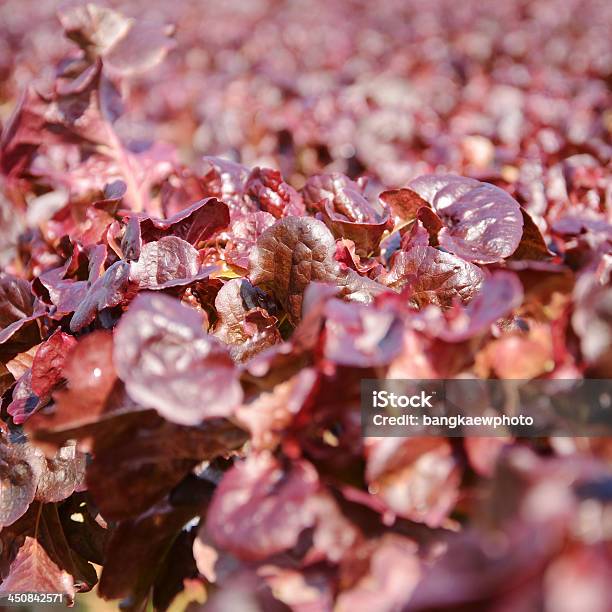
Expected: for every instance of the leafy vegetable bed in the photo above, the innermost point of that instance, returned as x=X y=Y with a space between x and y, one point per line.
x=182 y=340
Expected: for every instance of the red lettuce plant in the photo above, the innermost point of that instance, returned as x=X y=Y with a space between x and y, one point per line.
x=182 y=344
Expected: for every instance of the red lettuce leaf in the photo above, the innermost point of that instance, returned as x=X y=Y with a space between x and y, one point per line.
x=25 y=402
x=137 y=549
x=270 y=414
x=244 y=321
x=297 y=251
x=532 y=245
x=245 y=232
x=108 y=291
x=131 y=243
x=260 y=509
x=36 y=556
x=165 y=260
x=226 y=180
x=361 y=336
x=417 y=478
x=16 y=299
x=393 y=569
x=129 y=46
x=404 y=204
x=433 y=277
x=197 y=223
x=49 y=362
x=91 y=377
x=483 y=223
x=346 y=211
x=26 y=474
x=140 y=457
x=169 y=363
x=18 y=314
x=268 y=191
x=499 y=295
